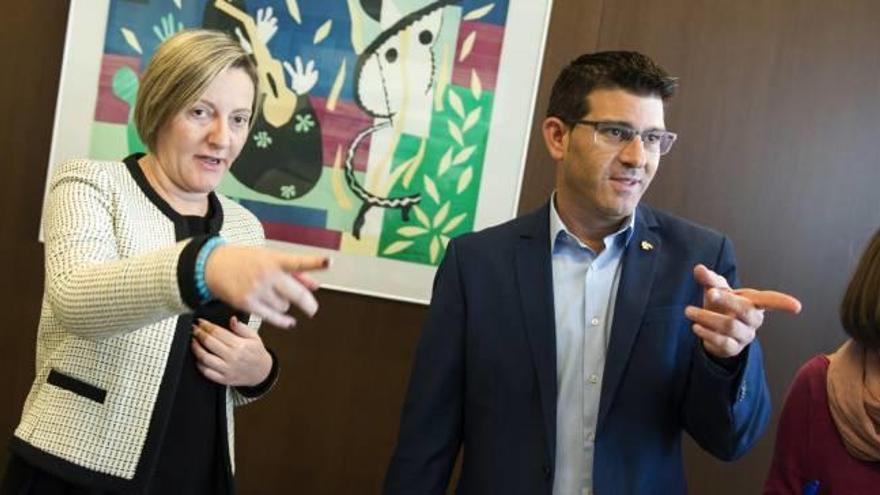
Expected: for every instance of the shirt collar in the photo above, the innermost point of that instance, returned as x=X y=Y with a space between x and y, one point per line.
x=557 y=228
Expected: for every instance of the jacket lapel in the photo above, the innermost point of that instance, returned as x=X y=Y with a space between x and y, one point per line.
x=636 y=279
x=534 y=278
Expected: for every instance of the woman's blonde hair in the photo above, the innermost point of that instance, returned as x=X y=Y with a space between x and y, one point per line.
x=181 y=69
x=860 y=309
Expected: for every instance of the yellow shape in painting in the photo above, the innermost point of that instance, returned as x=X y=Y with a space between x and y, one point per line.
x=478 y=13
x=293 y=8
x=464 y=180
x=337 y=88
x=132 y=40
x=323 y=32
x=431 y=189
x=476 y=85
x=397 y=246
x=442 y=79
x=456 y=104
x=339 y=193
x=407 y=179
x=357 y=14
x=467 y=46
x=366 y=246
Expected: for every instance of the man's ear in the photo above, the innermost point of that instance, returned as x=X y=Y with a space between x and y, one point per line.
x=555 y=137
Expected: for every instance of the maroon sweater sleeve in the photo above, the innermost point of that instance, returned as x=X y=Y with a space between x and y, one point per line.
x=791 y=468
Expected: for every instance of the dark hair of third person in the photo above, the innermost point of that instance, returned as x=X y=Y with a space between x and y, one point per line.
x=860 y=309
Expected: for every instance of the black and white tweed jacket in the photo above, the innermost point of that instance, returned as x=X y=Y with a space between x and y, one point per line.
x=114 y=306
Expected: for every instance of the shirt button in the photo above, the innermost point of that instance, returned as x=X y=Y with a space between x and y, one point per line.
x=594 y=378
x=594 y=321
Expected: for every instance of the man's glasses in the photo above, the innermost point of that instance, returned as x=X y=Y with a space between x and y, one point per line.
x=617 y=136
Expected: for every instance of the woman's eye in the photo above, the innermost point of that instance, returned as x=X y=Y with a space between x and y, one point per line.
x=199 y=112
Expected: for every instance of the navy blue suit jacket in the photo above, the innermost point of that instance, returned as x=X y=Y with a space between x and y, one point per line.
x=484 y=376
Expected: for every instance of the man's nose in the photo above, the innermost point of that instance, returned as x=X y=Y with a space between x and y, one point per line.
x=633 y=153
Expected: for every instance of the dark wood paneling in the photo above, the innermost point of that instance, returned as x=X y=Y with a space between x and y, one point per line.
x=777 y=117
x=32 y=38
x=330 y=424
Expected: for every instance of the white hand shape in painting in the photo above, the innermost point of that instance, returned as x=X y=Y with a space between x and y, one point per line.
x=302 y=78
x=267 y=26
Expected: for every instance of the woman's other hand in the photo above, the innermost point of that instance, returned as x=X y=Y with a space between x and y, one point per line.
x=234 y=357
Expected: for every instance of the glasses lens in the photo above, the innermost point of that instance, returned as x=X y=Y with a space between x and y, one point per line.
x=666 y=141
x=652 y=141
x=614 y=134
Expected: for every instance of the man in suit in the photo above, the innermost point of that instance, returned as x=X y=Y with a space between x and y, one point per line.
x=565 y=351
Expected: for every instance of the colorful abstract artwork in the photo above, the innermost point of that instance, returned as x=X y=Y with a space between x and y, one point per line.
x=373 y=137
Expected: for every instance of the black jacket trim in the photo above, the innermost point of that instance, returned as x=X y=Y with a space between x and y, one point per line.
x=215 y=211
x=186 y=271
x=76 y=386
x=187 y=261
x=67 y=470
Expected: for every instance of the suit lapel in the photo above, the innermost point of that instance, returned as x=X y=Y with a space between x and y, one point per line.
x=636 y=279
x=534 y=278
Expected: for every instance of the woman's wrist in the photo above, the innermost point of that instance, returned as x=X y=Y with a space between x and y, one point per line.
x=265 y=368
x=262 y=386
x=201 y=283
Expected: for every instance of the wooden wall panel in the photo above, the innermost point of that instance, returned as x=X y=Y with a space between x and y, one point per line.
x=330 y=424
x=777 y=121
x=32 y=40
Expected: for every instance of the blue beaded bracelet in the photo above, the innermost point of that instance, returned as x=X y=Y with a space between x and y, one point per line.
x=201 y=260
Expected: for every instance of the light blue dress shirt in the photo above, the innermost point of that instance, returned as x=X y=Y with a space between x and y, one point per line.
x=584 y=293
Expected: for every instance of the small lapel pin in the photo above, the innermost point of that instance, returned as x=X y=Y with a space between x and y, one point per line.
x=647 y=246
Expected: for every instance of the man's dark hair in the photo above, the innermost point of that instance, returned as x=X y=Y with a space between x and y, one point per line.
x=630 y=71
x=860 y=309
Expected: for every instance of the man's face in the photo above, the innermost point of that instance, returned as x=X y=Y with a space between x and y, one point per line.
x=603 y=182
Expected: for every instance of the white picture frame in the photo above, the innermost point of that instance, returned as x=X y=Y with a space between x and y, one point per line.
x=513 y=97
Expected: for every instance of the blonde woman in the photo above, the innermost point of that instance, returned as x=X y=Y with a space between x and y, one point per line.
x=155 y=287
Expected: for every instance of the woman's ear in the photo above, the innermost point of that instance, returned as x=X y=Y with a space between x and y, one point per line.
x=555 y=137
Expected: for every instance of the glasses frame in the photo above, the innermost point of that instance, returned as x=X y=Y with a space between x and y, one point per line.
x=598 y=125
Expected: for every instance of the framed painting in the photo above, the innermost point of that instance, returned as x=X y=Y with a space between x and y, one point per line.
x=386 y=127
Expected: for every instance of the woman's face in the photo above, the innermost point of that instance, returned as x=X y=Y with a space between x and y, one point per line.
x=200 y=143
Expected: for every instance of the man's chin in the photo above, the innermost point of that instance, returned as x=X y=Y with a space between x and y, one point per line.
x=621 y=211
